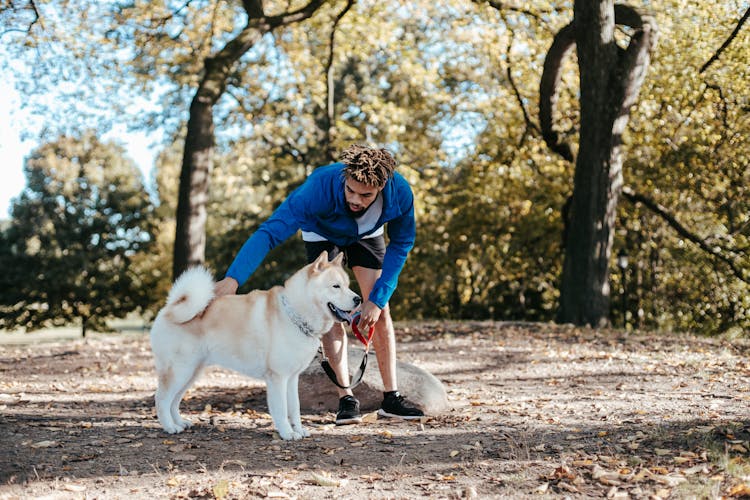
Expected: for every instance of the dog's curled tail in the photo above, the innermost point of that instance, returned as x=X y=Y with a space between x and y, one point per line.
x=190 y=294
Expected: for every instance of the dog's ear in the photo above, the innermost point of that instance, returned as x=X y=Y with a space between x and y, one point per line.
x=339 y=259
x=321 y=261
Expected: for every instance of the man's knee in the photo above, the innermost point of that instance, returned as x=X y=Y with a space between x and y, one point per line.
x=336 y=333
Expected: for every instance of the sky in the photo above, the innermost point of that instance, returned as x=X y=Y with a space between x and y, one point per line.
x=13 y=150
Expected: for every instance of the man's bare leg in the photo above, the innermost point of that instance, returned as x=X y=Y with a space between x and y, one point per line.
x=384 y=338
x=335 y=348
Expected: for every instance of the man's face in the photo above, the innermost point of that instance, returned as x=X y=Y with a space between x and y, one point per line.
x=359 y=196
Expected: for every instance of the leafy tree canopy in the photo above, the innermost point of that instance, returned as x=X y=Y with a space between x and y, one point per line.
x=452 y=87
x=75 y=230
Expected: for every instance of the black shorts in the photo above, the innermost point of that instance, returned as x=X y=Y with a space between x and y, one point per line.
x=367 y=253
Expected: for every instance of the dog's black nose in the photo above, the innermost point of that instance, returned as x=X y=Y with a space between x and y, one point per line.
x=357 y=300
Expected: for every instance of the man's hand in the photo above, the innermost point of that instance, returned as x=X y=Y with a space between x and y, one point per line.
x=227 y=286
x=369 y=315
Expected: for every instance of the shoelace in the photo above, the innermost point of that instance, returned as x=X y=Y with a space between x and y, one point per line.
x=349 y=401
x=397 y=400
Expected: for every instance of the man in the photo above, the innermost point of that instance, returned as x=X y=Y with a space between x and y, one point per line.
x=343 y=207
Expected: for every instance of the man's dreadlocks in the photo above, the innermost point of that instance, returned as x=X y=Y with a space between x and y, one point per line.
x=370 y=166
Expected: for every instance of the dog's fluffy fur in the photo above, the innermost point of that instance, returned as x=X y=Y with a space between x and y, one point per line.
x=271 y=335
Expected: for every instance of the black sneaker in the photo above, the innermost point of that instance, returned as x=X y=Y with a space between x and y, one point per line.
x=393 y=406
x=348 y=411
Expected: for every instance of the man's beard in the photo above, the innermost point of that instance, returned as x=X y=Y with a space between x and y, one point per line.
x=359 y=214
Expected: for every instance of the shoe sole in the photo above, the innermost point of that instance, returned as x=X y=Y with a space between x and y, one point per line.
x=383 y=413
x=349 y=421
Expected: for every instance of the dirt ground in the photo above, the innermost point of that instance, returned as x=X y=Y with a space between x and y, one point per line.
x=537 y=410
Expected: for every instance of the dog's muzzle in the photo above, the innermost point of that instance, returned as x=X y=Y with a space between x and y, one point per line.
x=340 y=314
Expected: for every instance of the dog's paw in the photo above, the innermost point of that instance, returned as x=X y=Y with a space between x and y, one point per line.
x=289 y=434
x=173 y=428
x=170 y=426
x=286 y=435
x=301 y=431
x=184 y=423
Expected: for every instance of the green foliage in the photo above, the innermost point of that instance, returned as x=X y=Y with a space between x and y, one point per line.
x=688 y=151
x=452 y=88
x=71 y=248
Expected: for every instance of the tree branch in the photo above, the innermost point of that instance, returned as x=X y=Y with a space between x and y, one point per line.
x=663 y=212
x=635 y=59
x=549 y=86
x=500 y=6
x=330 y=125
x=726 y=42
x=295 y=16
x=219 y=66
x=32 y=7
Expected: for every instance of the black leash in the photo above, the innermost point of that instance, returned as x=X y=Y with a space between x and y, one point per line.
x=357 y=378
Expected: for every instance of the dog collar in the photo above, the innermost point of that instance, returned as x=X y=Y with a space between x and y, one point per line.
x=298 y=321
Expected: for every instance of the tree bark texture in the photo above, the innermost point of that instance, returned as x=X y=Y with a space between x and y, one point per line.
x=197 y=161
x=610 y=78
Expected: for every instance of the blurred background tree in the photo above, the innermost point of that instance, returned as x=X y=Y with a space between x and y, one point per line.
x=452 y=88
x=69 y=251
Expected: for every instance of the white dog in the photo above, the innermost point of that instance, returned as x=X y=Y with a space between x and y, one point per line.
x=271 y=335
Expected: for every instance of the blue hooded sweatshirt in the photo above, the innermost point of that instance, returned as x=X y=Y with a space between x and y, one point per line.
x=319 y=206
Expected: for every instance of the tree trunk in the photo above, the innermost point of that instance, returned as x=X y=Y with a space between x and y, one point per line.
x=197 y=161
x=610 y=78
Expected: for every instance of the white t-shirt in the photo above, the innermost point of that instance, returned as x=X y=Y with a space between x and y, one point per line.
x=364 y=223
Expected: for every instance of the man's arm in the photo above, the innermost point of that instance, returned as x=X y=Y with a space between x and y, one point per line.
x=401 y=234
x=283 y=223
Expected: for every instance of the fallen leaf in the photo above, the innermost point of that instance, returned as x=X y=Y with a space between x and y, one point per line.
x=583 y=463
x=325 y=479
x=542 y=488
x=663 y=493
x=567 y=487
x=45 y=444
x=74 y=487
x=606 y=477
x=563 y=472
x=370 y=418
x=740 y=490
x=696 y=469
x=668 y=480
x=220 y=489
